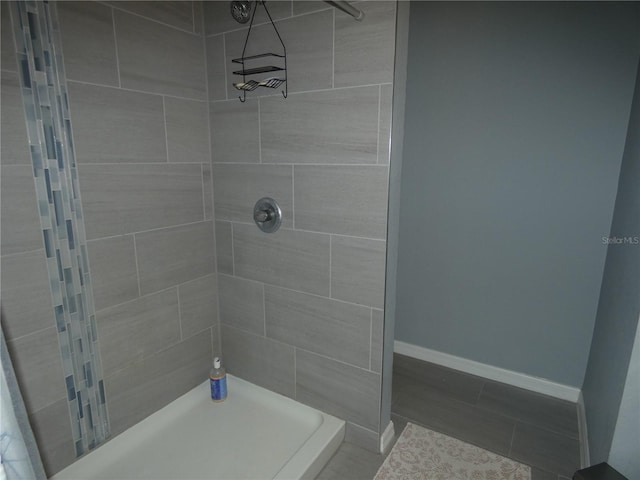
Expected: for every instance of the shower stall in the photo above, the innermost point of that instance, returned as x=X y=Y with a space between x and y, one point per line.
x=130 y=171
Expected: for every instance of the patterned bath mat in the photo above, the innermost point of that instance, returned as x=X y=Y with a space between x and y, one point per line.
x=421 y=454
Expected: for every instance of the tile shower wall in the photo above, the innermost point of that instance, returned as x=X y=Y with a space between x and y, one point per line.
x=301 y=310
x=142 y=142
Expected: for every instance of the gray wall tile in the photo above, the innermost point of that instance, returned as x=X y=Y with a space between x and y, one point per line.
x=177 y=13
x=224 y=247
x=114 y=126
x=259 y=360
x=216 y=341
x=346 y=200
x=306 y=6
x=218 y=18
x=216 y=76
x=14 y=143
x=132 y=198
x=362 y=437
x=7 y=46
x=38 y=366
x=338 y=389
x=159 y=59
x=241 y=303
x=52 y=428
x=309 y=42
x=351 y=461
x=364 y=51
x=113 y=270
x=336 y=126
x=174 y=255
x=88 y=42
x=146 y=386
x=287 y=258
x=377 y=334
x=384 y=133
x=336 y=329
x=187 y=130
x=137 y=329
x=198 y=305
x=235 y=131
x=357 y=270
x=236 y=189
x=20 y=230
x=26 y=295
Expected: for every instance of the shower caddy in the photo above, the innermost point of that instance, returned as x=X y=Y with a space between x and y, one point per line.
x=271 y=82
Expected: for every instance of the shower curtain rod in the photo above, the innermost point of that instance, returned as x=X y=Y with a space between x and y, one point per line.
x=348 y=8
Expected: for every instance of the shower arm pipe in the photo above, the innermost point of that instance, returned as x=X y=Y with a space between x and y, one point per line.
x=347 y=8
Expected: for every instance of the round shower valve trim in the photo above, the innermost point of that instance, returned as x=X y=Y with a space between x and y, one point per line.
x=267 y=215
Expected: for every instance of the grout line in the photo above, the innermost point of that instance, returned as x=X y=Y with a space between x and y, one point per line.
x=193 y=18
x=240 y=222
x=213 y=350
x=26 y=252
x=371 y=340
x=224 y=58
x=166 y=132
x=480 y=392
x=364 y=369
x=152 y=230
x=204 y=207
x=330 y=89
x=135 y=256
x=233 y=255
x=270 y=164
x=147 y=356
x=259 y=133
x=146 y=295
x=379 y=116
x=179 y=313
x=330 y=262
x=275 y=20
x=293 y=197
x=333 y=49
x=41 y=330
x=115 y=40
x=295 y=373
x=125 y=163
x=135 y=90
x=158 y=22
x=338 y=300
x=513 y=435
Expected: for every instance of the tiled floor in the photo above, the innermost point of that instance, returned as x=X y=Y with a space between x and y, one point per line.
x=528 y=427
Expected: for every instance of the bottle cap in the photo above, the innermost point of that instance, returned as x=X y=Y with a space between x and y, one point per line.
x=216 y=362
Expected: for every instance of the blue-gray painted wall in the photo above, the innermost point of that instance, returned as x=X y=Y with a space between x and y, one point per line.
x=516 y=118
x=619 y=306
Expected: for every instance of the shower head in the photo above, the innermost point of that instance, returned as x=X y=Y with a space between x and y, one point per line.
x=241 y=10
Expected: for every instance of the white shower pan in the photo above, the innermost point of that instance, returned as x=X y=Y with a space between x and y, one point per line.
x=254 y=434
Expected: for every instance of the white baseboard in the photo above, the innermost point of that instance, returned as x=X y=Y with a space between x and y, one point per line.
x=387 y=437
x=585 y=460
x=521 y=380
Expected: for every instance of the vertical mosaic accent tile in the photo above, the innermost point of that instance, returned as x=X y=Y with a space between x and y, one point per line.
x=44 y=91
